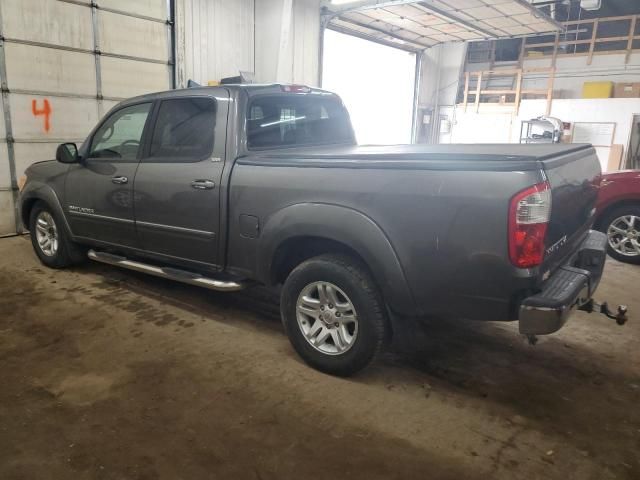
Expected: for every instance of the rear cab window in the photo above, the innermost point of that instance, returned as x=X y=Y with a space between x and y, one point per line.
x=286 y=120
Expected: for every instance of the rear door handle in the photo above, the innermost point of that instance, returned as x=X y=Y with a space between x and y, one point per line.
x=119 y=180
x=203 y=184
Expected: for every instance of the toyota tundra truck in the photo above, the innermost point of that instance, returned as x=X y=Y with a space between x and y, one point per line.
x=238 y=185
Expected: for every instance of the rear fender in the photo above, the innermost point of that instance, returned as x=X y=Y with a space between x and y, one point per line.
x=346 y=226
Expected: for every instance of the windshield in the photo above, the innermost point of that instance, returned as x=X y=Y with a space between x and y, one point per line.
x=294 y=120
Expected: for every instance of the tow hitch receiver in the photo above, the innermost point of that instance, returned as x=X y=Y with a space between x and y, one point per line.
x=591 y=306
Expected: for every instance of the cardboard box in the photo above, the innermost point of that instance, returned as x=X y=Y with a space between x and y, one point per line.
x=597 y=90
x=627 y=90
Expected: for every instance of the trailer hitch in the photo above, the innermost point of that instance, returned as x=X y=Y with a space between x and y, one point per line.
x=592 y=306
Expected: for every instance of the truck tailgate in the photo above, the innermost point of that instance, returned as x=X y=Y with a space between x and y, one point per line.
x=575 y=180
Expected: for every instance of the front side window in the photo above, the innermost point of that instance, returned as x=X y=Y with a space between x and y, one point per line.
x=296 y=120
x=120 y=135
x=184 y=130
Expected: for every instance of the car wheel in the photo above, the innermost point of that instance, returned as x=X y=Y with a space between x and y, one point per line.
x=333 y=314
x=50 y=240
x=622 y=227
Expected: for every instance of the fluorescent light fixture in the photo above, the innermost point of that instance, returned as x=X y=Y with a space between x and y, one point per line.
x=591 y=4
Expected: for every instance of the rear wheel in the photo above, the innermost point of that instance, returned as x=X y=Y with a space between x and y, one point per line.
x=622 y=226
x=50 y=240
x=333 y=314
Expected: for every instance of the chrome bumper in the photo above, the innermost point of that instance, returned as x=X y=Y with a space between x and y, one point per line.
x=570 y=287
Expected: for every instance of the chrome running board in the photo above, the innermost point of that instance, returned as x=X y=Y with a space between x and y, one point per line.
x=178 y=275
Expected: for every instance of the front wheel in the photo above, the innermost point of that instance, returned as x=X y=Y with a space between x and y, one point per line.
x=50 y=240
x=622 y=227
x=333 y=314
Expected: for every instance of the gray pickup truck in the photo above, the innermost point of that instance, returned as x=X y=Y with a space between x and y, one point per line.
x=231 y=186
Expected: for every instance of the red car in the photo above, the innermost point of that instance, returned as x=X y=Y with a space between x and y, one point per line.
x=618 y=214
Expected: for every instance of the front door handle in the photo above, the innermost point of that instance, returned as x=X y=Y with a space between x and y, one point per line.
x=203 y=184
x=119 y=180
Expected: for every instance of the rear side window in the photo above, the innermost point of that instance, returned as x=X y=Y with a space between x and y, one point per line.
x=184 y=130
x=295 y=120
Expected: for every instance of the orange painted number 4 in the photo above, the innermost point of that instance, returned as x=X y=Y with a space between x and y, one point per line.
x=45 y=111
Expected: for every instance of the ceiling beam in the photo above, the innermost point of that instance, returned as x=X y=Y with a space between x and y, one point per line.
x=454 y=18
x=362 y=5
x=389 y=33
x=356 y=33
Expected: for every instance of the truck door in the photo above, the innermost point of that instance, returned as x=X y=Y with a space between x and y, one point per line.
x=177 y=187
x=98 y=196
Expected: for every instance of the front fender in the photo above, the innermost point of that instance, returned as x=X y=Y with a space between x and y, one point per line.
x=346 y=226
x=34 y=191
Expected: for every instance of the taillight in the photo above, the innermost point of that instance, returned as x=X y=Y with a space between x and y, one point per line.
x=529 y=213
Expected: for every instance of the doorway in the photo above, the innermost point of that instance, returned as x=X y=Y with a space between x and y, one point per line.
x=375 y=82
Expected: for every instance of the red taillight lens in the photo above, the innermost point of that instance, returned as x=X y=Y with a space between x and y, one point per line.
x=529 y=213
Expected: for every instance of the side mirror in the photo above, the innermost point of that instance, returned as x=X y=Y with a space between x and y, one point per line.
x=67 y=153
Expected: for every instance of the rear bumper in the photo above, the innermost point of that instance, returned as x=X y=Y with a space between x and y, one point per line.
x=569 y=287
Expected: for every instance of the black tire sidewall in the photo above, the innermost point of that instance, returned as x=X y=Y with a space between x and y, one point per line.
x=606 y=222
x=61 y=258
x=357 y=285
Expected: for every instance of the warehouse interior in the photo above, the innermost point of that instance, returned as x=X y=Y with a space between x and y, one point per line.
x=115 y=374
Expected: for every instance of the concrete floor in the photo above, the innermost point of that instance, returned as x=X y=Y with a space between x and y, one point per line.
x=114 y=375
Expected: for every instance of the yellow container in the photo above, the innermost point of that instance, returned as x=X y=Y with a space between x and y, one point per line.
x=597 y=90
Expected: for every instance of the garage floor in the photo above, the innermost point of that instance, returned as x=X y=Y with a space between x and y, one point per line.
x=114 y=375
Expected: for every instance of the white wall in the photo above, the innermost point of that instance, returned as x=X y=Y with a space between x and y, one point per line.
x=214 y=39
x=287 y=52
x=572 y=72
x=440 y=71
x=278 y=40
x=495 y=124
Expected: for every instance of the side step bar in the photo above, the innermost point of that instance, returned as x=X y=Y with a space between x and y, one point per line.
x=167 y=272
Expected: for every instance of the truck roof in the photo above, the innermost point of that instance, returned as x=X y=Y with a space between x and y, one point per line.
x=250 y=88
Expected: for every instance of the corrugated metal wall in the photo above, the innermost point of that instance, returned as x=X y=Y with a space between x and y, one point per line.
x=214 y=39
x=219 y=38
x=63 y=64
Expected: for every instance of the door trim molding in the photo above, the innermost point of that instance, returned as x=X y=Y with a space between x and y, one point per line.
x=99 y=217
x=174 y=228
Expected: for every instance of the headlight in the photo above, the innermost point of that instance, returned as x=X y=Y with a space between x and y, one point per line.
x=21 y=182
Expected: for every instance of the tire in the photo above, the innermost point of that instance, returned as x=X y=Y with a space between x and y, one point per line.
x=343 y=332
x=619 y=218
x=60 y=251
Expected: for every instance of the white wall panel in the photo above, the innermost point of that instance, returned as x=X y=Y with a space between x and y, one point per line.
x=7 y=213
x=3 y=131
x=133 y=36
x=127 y=78
x=148 y=8
x=50 y=70
x=5 y=177
x=306 y=38
x=70 y=118
x=215 y=39
x=30 y=153
x=294 y=45
x=48 y=21
x=67 y=80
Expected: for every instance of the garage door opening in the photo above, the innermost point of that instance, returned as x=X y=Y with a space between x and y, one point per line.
x=375 y=82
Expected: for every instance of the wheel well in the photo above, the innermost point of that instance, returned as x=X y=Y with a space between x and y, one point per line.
x=25 y=212
x=605 y=213
x=293 y=251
